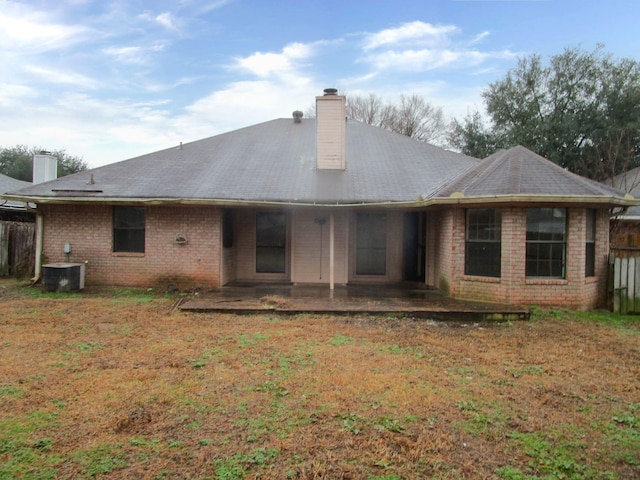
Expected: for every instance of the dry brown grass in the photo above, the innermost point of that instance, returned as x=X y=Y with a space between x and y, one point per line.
x=117 y=384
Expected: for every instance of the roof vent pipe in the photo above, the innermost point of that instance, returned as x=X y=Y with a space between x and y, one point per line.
x=297 y=116
x=330 y=91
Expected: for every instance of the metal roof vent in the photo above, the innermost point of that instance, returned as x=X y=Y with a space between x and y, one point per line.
x=297 y=116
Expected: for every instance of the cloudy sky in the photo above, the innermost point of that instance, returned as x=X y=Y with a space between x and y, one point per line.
x=108 y=80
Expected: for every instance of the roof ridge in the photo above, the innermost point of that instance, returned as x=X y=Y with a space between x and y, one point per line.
x=587 y=182
x=469 y=177
x=494 y=164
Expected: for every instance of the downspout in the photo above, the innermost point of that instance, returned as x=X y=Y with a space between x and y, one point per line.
x=332 y=255
x=38 y=259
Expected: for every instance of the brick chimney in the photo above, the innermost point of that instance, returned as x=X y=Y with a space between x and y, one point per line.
x=330 y=131
x=45 y=167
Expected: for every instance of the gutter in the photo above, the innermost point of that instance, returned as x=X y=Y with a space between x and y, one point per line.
x=456 y=198
x=38 y=259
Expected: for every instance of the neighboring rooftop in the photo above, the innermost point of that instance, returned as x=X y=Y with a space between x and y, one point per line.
x=630 y=182
x=8 y=184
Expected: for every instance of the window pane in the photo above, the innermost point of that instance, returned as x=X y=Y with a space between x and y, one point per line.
x=227 y=228
x=271 y=240
x=483 y=258
x=484 y=242
x=270 y=229
x=591 y=225
x=484 y=224
x=590 y=247
x=128 y=241
x=128 y=229
x=546 y=224
x=270 y=260
x=546 y=242
x=371 y=244
x=590 y=263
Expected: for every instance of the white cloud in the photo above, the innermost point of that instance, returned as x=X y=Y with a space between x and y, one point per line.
x=419 y=47
x=265 y=64
x=410 y=33
x=134 y=54
x=214 y=5
x=63 y=77
x=100 y=131
x=245 y=103
x=423 y=60
x=25 y=29
x=480 y=37
x=165 y=19
x=12 y=95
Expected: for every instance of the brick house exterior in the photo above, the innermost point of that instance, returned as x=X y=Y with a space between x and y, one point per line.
x=282 y=202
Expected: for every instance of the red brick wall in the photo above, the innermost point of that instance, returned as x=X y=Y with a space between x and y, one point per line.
x=89 y=229
x=441 y=250
x=574 y=291
x=197 y=263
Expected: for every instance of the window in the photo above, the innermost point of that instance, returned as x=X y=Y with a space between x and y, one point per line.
x=590 y=245
x=546 y=242
x=271 y=241
x=371 y=244
x=128 y=229
x=227 y=228
x=484 y=242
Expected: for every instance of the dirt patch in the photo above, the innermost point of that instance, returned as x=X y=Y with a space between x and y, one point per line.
x=118 y=384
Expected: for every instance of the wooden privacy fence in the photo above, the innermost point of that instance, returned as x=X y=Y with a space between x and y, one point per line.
x=16 y=249
x=624 y=279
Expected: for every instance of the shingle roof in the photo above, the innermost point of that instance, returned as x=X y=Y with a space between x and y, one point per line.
x=629 y=182
x=8 y=184
x=273 y=161
x=519 y=171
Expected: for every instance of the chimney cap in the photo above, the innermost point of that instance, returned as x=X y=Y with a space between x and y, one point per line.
x=330 y=91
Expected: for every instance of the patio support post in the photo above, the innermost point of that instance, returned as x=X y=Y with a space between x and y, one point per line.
x=331 y=252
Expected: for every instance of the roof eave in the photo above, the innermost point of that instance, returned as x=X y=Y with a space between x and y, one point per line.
x=459 y=199
x=454 y=199
x=84 y=200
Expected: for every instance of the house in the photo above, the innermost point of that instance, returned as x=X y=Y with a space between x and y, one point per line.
x=625 y=225
x=11 y=210
x=333 y=201
x=16 y=232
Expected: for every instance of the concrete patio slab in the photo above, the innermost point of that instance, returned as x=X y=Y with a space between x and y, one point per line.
x=398 y=300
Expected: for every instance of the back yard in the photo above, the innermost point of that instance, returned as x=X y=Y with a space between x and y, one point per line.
x=118 y=384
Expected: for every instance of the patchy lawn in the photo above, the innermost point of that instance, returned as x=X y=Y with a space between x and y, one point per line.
x=118 y=384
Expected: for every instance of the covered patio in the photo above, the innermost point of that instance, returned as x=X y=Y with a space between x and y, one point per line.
x=409 y=300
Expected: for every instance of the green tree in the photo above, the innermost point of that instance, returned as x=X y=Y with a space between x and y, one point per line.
x=473 y=137
x=17 y=162
x=581 y=110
